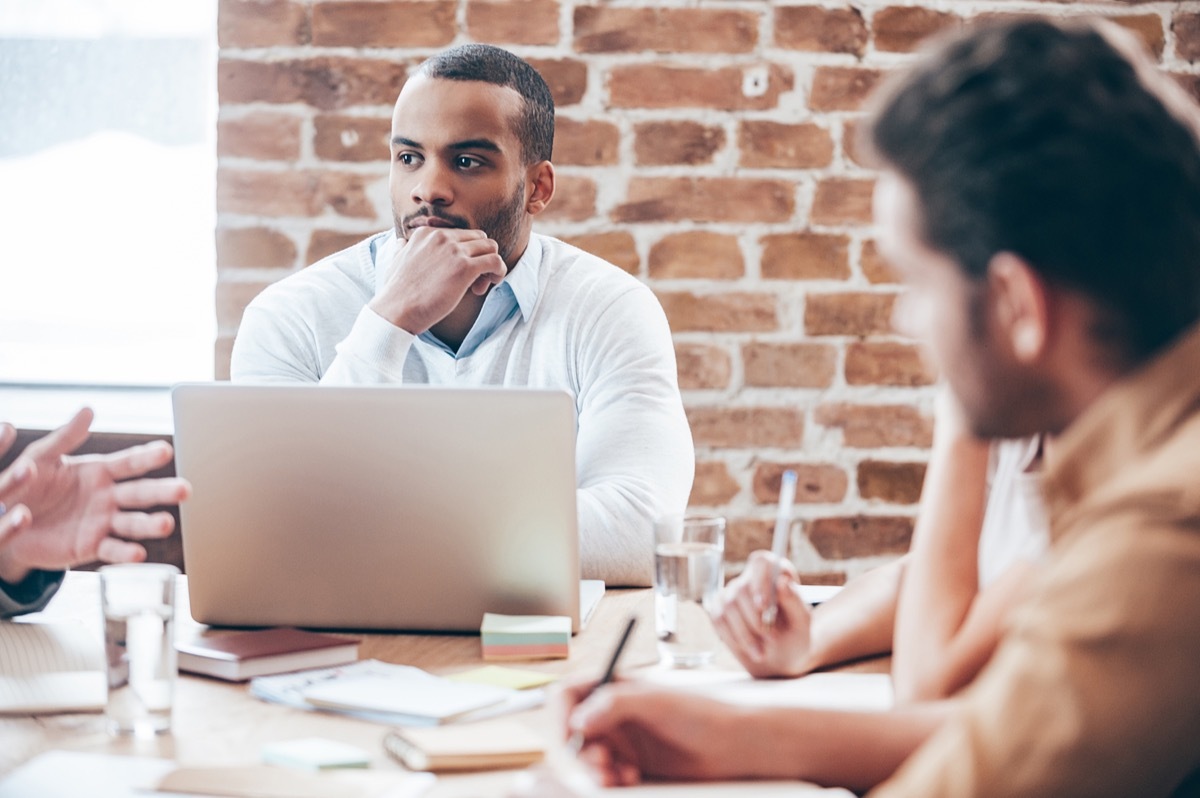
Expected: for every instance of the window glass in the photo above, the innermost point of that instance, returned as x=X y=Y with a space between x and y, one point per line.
x=107 y=169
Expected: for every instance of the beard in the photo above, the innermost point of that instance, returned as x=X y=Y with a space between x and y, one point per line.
x=500 y=221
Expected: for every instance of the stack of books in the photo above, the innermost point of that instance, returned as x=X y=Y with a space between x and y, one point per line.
x=515 y=637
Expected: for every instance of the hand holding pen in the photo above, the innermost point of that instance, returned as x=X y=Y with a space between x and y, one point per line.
x=575 y=741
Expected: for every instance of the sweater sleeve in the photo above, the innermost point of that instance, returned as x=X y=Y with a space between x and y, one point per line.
x=31 y=595
x=634 y=453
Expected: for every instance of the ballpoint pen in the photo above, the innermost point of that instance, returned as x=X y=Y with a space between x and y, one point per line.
x=575 y=742
x=787 y=495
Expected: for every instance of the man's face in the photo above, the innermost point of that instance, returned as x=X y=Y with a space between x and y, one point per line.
x=953 y=317
x=457 y=162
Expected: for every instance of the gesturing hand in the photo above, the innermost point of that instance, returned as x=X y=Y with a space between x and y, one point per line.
x=432 y=272
x=65 y=510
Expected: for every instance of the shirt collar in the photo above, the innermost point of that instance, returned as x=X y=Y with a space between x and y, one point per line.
x=1132 y=416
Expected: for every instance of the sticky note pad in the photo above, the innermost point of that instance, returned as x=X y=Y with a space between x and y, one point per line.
x=510 y=637
x=314 y=753
x=516 y=678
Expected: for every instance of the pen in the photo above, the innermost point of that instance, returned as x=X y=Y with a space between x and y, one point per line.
x=575 y=743
x=787 y=494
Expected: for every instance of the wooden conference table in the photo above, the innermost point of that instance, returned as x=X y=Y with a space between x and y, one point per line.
x=219 y=723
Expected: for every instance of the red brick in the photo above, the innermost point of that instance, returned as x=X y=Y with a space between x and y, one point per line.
x=676 y=142
x=659 y=86
x=902 y=29
x=824 y=30
x=822 y=577
x=842 y=200
x=897 y=483
x=848 y=313
x=254 y=248
x=1186 y=27
x=323 y=243
x=326 y=82
x=886 y=363
x=262 y=23
x=713 y=485
x=616 y=247
x=222 y=350
x=232 y=299
x=746 y=427
x=815 y=483
x=805 y=256
x=589 y=142
x=789 y=365
x=873 y=426
x=293 y=193
x=574 y=200
x=725 y=312
x=703 y=367
x=566 y=77
x=874 y=267
x=707 y=199
x=776 y=145
x=421 y=23
x=696 y=254
x=860 y=536
x=746 y=535
x=1148 y=28
x=513 y=21
x=600 y=29
x=338 y=137
x=262 y=136
x=842 y=88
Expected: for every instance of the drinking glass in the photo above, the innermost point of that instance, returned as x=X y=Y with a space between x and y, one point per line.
x=688 y=569
x=138 y=602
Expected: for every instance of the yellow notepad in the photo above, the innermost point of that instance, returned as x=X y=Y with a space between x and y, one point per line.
x=498 y=675
x=477 y=746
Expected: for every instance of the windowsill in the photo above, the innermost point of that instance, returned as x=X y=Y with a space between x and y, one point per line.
x=132 y=409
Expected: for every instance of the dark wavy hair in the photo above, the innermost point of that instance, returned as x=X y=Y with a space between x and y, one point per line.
x=483 y=62
x=1043 y=139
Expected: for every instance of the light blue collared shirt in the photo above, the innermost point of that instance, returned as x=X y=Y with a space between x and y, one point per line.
x=517 y=291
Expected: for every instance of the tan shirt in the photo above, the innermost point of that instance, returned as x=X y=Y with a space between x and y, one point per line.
x=1095 y=688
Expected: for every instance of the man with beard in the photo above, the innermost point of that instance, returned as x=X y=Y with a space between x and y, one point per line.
x=463 y=293
x=1040 y=198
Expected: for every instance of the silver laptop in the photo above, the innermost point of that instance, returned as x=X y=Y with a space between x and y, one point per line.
x=377 y=508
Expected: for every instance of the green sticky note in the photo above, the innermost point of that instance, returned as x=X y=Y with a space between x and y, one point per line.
x=516 y=678
x=315 y=753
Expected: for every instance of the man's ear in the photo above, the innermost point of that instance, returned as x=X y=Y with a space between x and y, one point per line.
x=1020 y=300
x=540 y=179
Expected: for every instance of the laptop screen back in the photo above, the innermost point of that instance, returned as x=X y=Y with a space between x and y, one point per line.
x=388 y=508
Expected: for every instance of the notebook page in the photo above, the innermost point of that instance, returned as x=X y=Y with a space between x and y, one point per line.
x=50 y=667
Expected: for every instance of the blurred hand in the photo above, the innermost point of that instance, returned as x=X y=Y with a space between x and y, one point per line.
x=631 y=732
x=780 y=649
x=65 y=511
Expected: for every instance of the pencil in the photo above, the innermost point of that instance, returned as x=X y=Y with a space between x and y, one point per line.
x=787 y=495
x=575 y=743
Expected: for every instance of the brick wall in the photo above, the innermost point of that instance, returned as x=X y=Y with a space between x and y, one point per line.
x=705 y=146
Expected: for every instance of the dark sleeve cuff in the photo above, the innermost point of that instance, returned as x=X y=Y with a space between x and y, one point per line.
x=29 y=595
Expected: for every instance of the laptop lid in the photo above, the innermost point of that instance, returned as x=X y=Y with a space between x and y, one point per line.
x=389 y=508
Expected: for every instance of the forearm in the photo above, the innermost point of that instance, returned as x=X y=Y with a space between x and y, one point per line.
x=940 y=581
x=849 y=749
x=857 y=622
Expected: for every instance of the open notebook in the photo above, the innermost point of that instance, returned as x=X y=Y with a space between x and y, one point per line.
x=50 y=667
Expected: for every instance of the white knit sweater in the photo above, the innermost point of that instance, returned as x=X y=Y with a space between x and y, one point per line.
x=594 y=331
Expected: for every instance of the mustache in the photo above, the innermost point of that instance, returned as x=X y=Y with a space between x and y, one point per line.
x=429 y=213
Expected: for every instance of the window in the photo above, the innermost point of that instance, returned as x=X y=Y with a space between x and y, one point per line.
x=107 y=169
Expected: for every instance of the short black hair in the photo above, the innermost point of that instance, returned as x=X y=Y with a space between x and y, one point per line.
x=1040 y=138
x=489 y=64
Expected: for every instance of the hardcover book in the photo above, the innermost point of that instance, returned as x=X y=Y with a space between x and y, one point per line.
x=238 y=656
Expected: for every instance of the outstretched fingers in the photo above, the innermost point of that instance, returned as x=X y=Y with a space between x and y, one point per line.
x=137 y=460
x=141 y=493
x=64 y=440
